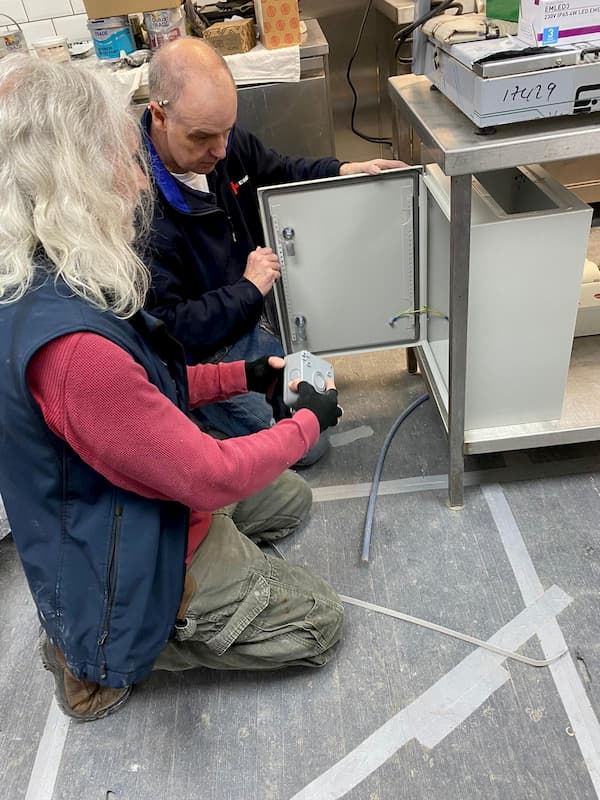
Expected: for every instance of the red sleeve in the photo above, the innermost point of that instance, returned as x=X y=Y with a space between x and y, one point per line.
x=211 y=382
x=97 y=398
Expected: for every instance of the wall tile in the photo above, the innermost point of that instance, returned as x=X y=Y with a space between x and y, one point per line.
x=43 y=9
x=15 y=8
x=38 y=30
x=78 y=7
x=74 y=28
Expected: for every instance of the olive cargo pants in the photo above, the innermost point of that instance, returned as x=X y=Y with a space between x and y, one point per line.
x=250 y=610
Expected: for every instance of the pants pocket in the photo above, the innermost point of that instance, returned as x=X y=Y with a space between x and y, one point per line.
x=300 y=621
x=255 y=601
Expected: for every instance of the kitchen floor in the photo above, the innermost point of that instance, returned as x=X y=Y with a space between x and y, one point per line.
x=401 y=711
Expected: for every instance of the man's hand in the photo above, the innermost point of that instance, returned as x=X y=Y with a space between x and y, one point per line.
x=373 y=167
x=262 y=269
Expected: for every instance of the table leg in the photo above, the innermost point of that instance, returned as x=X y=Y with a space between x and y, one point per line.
x=460 y=246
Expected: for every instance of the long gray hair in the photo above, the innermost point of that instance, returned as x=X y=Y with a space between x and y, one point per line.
x=68 y=178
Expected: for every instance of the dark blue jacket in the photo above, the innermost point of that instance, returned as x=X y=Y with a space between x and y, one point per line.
x=201 y=242
x=104 y=565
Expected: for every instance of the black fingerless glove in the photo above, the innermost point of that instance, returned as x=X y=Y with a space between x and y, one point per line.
x=322 y=404
x=261 y=376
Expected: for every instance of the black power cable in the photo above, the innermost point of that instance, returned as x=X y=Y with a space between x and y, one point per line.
x=402 y=36
x=366 y=137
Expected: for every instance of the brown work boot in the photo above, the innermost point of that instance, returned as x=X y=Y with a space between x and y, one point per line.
x=82 y=700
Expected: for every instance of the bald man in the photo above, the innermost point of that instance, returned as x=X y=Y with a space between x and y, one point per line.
x=211 y=271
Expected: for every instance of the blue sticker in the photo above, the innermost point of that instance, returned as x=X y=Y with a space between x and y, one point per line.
x=550 y=35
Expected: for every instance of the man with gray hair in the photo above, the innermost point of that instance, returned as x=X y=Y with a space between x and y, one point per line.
x=137 y=531
x=210 y=270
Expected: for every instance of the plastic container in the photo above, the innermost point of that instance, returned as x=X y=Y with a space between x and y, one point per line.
x=164 y=26
x=12 y=41
x=110 y=36
x=52 y=48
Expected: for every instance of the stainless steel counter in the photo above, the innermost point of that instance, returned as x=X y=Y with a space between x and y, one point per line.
x=401 y=12
x=294 y=118
x=314 y=42
x=460 y=149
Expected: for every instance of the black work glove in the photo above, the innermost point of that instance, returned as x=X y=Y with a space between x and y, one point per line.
x=322 y=404
x=262 y=377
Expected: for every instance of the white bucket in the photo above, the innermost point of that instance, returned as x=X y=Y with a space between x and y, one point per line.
x=164 y=26
x=110 y=36
x=52 y=48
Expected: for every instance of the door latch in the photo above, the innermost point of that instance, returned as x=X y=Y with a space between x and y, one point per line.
x=289 y=235
x=300 y=323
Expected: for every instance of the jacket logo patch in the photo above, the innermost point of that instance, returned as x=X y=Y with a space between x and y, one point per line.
x=235 y=186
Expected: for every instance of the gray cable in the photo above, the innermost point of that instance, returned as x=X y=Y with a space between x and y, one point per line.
x=366 y=543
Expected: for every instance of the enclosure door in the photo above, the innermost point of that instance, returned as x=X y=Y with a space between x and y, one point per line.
x=350 y=258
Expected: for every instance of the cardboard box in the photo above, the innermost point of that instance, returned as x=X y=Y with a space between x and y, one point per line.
x=550 y=22
x=278 y=22
x=100 y=9
x=228 y=38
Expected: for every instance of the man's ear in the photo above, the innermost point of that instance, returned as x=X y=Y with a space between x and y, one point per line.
x=158 y=115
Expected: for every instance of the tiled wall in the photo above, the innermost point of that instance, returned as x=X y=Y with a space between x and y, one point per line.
x=41 y=18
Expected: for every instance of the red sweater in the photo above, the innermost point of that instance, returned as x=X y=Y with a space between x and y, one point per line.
x=99 y=400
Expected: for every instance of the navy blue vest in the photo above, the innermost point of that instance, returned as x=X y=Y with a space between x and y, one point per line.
x=105 y=566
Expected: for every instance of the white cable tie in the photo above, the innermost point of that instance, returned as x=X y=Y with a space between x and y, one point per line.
x=464 y=637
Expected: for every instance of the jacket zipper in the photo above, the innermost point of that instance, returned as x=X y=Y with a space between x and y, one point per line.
x=174 y=382
x=233 y=236
x=110 y=583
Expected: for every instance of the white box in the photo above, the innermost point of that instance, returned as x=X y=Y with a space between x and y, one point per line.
x=551 y=22
x=528 y=241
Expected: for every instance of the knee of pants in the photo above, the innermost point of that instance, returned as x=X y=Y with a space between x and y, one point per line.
x=335 y=624
x=297 y=494
x=304 y=618
x=320 y=647
x=303 y=500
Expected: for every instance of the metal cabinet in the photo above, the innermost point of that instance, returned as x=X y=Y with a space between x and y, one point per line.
x=453 y=142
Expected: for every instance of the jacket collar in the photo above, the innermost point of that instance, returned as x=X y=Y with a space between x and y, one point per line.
x=180 y=197
x=167 y=184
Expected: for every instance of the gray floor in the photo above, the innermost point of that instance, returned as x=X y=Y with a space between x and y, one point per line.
x=445 y=719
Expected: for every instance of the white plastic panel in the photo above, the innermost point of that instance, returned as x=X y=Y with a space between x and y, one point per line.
x=528 y=242
x=349 y=250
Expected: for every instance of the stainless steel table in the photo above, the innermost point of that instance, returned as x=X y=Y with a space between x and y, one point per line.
x=455 y=144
